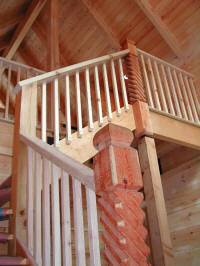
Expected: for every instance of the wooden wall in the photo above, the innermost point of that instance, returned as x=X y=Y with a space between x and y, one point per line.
x=181 y=184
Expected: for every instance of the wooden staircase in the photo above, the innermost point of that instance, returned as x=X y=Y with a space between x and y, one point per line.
x=5 y=213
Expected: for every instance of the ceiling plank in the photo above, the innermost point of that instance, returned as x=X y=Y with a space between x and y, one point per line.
x=88 y=6
x=3 y=45
x=11 y=22
x=161 y=27
x=23 y=28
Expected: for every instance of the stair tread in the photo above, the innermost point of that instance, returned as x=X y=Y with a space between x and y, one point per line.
x=5 y=237
x=6 y=260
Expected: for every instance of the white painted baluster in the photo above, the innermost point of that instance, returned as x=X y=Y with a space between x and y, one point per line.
x=178 y=89
x=89 y=104
x=98 y=95
x=162 y=95
x=37 y=210
x=8 y=92
x=196 y=119
x=55 y=205
x=171 y=107
x=66 y=220
x=93 y=233
x=115 y=88
x=78 y=104
x=44 y=112
x=56 y=114
x=107 y=93
x=29 y=196
x=173 y=90
x=78 y=223
x=195 y=96
x=46 y=242
x=190 y=115
x=67 y=111
x=154 y=86
x=124 y=94
x=146 y=81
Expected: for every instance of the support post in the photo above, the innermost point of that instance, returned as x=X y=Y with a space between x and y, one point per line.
x=162 y=251
x=118 y=179
x=25 y=122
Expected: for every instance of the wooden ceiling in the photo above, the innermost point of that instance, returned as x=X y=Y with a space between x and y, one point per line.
x=169 y=29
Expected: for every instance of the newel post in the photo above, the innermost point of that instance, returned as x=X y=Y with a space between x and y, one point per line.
x=118 y=179
x=25 y=122
x=162 y=250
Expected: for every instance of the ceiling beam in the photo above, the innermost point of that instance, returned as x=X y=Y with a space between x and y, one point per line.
x=23 y=28
x=88 y=6
x=161 y=27
x=11 y=22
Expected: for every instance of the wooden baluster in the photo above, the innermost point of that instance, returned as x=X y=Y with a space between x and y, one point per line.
x=56 y=113
x=78 y=106
x=171 y=107
x=78 y=223
x=66 y=220
x=115 y=88
x=194 y=95
x=89 y=104
x=46 y=242
x=27 y=73
x=182 y=104
x=98 y=96
x=44 y=112
x=124 y=93
x=185 y=97
x=93 y=233
x=146 y=81
x=18 y=74
x=55 y=205
x=154 y=86
x=173 y=90
x=8 y=92
x=107 y=93
x=196 y=119
x=162 y=95
x=67 y=111
x=29 y=199
x=37 y=210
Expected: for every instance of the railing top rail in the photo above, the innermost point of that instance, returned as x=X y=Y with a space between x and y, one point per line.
x=49 y=76
x=16 y=65
x=165 y=63
x=79 y=171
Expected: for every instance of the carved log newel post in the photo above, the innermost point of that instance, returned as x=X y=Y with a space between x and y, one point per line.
x=118 y=179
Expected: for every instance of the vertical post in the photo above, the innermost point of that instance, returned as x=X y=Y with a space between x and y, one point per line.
x=118 y=179
x=53 y=55
x=25 y=122
x=157 y=216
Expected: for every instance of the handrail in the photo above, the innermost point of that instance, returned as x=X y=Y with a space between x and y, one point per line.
x=47 y=77
x=79 y=171
x=164 y=62
x=16 y=65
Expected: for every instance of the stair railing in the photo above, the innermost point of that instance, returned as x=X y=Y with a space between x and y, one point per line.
x=170 y=90
x=108 y=69
x=48 y=204
x=11 y=73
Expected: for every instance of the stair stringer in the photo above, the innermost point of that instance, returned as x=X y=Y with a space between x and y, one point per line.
x=82 y=149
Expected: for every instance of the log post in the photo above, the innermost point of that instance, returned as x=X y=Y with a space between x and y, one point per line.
x=118 y=179
x=25 y=122
x=162 y=251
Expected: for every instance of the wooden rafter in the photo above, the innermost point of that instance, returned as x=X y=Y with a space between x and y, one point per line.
x=22 y=29
x=108 y=32
x=161 y=27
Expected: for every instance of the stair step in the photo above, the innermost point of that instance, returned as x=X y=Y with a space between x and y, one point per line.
x=4 y=237
x=5 y=212
x=4 y=260
x=6 y=183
